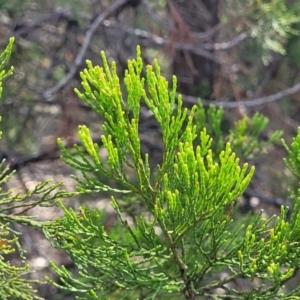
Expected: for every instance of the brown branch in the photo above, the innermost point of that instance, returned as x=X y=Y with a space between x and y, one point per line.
x=24 y=29
x=271 y=70
x=154 y=16
x=199 y=51
x=194 y=36
x=246 y=103
x=113 y=9
x=185 y=46
x=227 y=45
x=230 y=74
x=17 y=162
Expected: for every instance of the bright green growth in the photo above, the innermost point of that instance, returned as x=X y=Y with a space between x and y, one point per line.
x=183 y=241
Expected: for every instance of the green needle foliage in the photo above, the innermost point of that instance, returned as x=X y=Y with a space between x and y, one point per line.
x=177 y=234
x=185 y=240
x=14 y=282
x=244 y=137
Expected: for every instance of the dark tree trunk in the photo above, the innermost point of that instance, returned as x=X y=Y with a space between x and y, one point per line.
x=195 y=73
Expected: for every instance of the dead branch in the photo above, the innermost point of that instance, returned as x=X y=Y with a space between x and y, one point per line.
x=246 y=103
x=186 y=46
x=113 y=9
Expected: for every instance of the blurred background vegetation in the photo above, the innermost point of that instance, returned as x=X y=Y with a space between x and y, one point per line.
x=241 y=55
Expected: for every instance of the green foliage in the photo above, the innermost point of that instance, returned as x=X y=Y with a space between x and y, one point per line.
x=14 y=6
x=244 y=137
x=293 y=162
x=272 y=23
x=276 y=20
x=13 y=282
x=185 y=241
x=13 y=279
x=4 y=57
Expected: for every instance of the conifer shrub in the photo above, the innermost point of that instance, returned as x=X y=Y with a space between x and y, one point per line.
x=14 y=281
x=184 y=240
x=178 y=234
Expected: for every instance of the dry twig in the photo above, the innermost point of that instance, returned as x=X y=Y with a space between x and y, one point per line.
x=113 y=9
